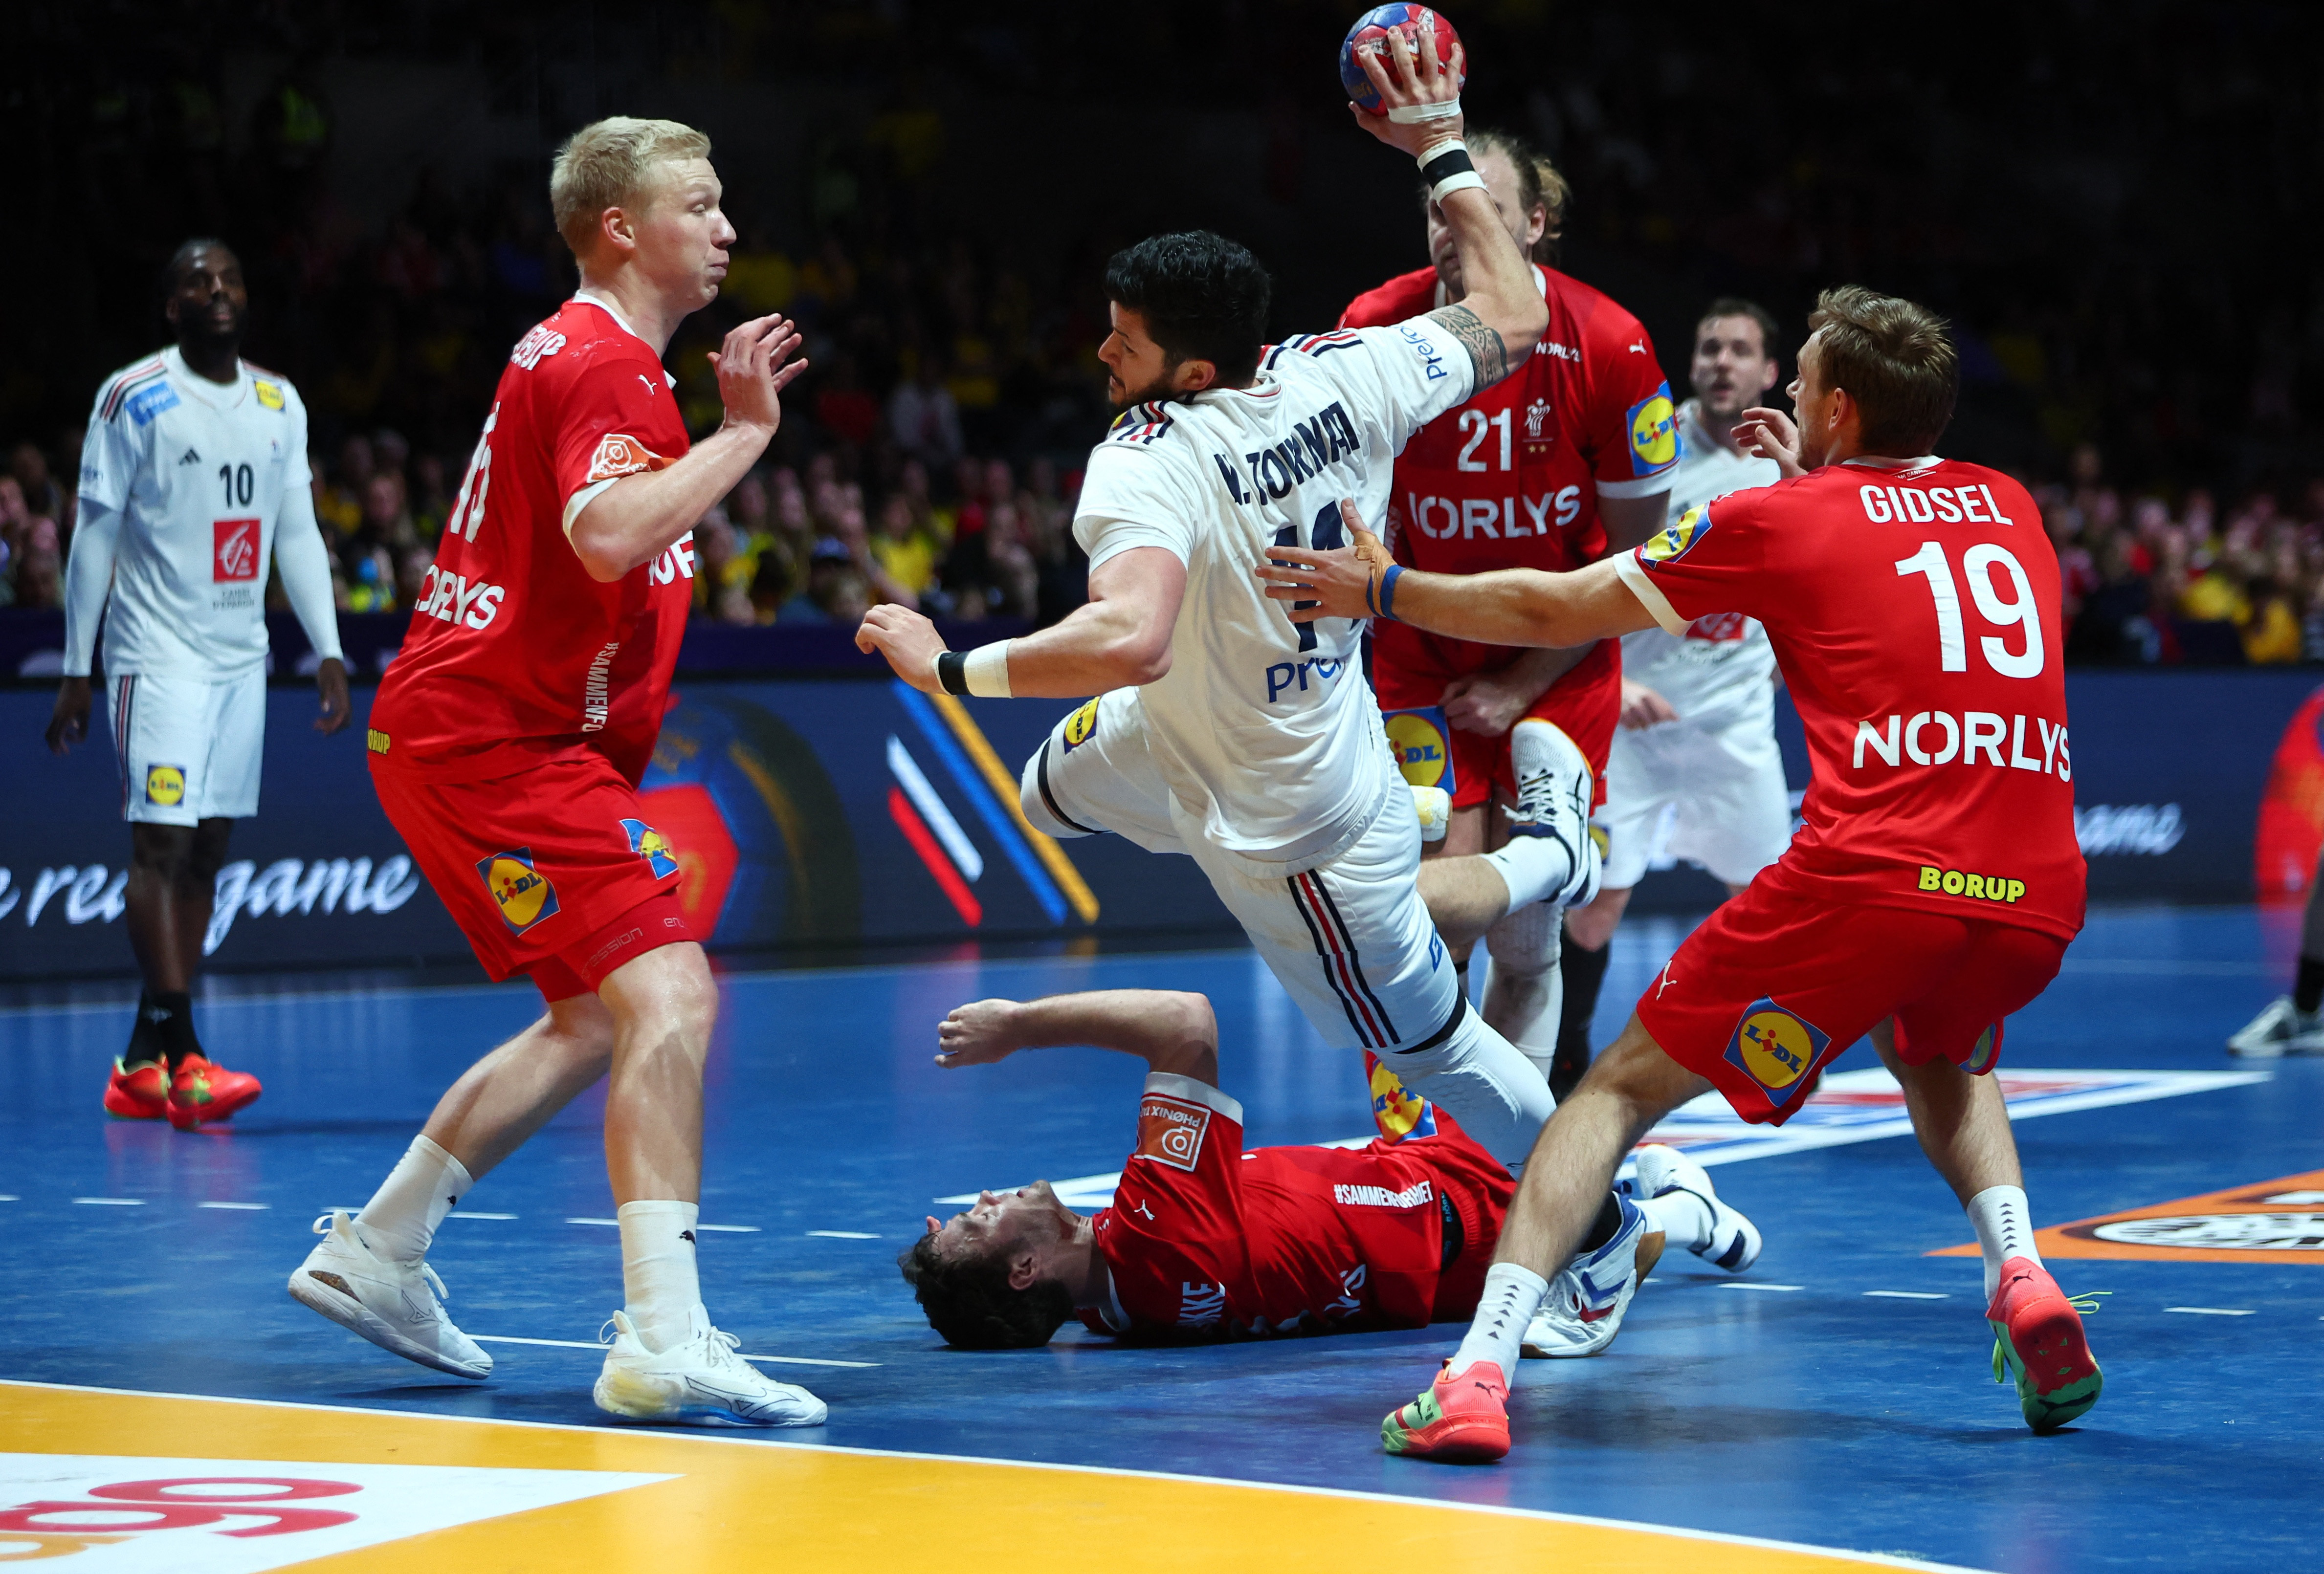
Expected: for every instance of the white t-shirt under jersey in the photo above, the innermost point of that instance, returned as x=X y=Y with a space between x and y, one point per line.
x=1265 y=729
x=197 y=470
x=1715 y=672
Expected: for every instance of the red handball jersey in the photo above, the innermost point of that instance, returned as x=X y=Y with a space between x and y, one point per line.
x=1206 y=1241
x=513 y=651
x=1512 y=478
x=1914 y=609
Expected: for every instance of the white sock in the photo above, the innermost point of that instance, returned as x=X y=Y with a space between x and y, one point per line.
x=1513 y=1293
x=1494 y=1093
x=1525 y=989
x=659 y=1279
x=2004 y=1221
x=1683 y=1217
x=1534 y=868
x=401 y=1217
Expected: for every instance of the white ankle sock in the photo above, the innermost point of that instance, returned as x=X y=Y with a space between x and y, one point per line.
x=1513 y=1293
x=659 y=1279
x=2004 y=1221
x=401 y=1217
x=1683 y=1217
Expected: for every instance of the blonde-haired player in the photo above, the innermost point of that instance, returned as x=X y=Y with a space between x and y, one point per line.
x=507 y=744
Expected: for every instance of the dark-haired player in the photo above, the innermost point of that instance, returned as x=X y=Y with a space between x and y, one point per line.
x=193 y=477
x=1543 y=470
x=1225 y=730
x=1205 y=1241
x=1912 y=603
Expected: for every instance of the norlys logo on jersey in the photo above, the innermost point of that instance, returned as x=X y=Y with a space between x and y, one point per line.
x=1940 y=738
x=449 y=598
x=1507 y=519
x=233 y=551
x=675 y=561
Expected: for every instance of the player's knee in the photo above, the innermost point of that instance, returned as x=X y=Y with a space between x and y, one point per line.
x=670 y=988
x=1525 y=941
x=583 y=1028
x=207 y=855
x=166 y=851
x=970 y=1302
x=1640 y=1076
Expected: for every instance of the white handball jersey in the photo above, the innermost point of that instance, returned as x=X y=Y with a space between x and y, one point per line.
x=197 y=469
x=1265 y=729
x=1711 y=673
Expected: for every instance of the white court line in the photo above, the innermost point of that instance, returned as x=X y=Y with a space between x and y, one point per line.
x=2210 y=1310
x=754 y=1439
x=238 y=1207
x=457 y=1214
x=110 y=1202
x=844 y=1234
x=575 y=1344
x=11 y=1198
x=731 y=1229
x=616 y=1224
x=1908 y=1295
x=1759 y=1286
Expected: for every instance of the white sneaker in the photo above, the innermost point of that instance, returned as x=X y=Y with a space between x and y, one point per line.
x=395 y=1305
x=1734 y=1244
x=1434 y=805
x=698 y=1382
x=1554 y=786
x=1588 y=1298
x=2283 y=1028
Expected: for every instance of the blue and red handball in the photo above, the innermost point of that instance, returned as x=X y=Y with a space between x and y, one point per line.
x=1369 y=36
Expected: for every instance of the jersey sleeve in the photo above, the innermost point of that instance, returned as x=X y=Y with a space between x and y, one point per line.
x=109 y=452
x=1132 y=495
x=1711 y=560
x=1398 y=378
x=607 y=419
x=1175 y=1239
x=1631 y=426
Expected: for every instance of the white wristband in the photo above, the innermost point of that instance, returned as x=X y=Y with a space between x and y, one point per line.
x=1466 y=180
x=1414 y=113
x=986 y=671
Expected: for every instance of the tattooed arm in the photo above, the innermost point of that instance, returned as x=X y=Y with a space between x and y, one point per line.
x=1501 y=317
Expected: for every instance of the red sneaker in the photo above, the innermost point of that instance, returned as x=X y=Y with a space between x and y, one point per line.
x=137 y=1092
x=1462 y=1420
x=2038 y=1332
x=203 y=1091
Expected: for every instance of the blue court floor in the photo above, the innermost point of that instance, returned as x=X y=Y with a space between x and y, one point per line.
x=1838 y=1395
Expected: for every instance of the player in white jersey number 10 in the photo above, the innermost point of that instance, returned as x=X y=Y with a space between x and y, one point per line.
x=193 y=476
x=1223 y=730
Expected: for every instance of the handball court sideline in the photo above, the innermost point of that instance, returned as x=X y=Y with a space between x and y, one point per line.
x=1834 y=1408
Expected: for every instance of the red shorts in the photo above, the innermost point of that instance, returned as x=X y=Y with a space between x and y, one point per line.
x=1410 y=670
x=1776 y=984
x=552 y=871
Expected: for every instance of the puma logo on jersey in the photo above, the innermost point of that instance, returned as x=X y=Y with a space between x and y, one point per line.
x=190 y=457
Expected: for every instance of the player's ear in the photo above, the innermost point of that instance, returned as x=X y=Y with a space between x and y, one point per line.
x=1194 y=376
x=1024 y=1270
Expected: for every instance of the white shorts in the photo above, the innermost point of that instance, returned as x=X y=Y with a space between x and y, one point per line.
x=1713 y=796
x=1351 y=941
x=189 y=747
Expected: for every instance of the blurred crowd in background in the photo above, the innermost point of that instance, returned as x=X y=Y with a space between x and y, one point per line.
x=2104 y=212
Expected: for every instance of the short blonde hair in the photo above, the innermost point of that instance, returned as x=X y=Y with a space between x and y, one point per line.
x=611 y=164
x=1895 y=359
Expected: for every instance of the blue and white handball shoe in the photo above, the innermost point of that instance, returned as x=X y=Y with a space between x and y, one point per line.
x=1734 y=1241
x=1583 y=1310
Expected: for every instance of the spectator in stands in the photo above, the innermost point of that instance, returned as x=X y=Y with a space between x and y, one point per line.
x=28 y=467
x=904 y=550
x=340 y=504
x=835 y=592
x=922 y=417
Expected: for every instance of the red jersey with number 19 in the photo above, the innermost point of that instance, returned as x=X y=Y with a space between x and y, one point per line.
x=1914 y=608
x=514 y=652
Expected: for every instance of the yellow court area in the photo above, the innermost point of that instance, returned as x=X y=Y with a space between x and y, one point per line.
x=100 y=1480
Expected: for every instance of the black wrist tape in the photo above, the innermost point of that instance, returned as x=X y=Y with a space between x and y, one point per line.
x=952 y=672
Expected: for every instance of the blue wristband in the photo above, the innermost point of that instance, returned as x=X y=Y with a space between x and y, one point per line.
x=1387 y=590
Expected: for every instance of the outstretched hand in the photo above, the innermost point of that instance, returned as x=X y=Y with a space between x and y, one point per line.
x=1770 y=435
x=978 y=1034
x=754 y=365
x=1339 y=583
x=1404 y=81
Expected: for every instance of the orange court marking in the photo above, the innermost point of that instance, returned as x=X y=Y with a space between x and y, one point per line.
x=709 y=1503
x=2288 y=1209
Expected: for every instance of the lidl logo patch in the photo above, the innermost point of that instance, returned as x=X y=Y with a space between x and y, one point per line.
x=165 y=785
x=1673 y=541
x=270 y=394
x=1776 y=1048
x=2269 y=1222
x=1079 y=725
x=652 y=846
x=1397 y=1109
x=522 y=892
x=1423 y=743
x=1653 y=432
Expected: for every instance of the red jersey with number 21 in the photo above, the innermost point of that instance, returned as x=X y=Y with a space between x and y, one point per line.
x=513 y=651
x=1914 y=609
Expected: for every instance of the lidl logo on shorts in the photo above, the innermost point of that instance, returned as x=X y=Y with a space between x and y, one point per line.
x=1674 y=541
x=522 y=892
x=1170 y=1130
x=1984 y=1053
x=1653 y=432
x=270 y=394
x=1423 y=743
x=1080 y=726
x=652 y=846
x=1776 y=1048
x=1396 y=1110
x=165 y=785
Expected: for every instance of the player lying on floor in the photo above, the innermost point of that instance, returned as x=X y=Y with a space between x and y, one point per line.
x=1205 y=1241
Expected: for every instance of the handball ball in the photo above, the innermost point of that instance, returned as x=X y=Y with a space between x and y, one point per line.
x=1370 y=35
